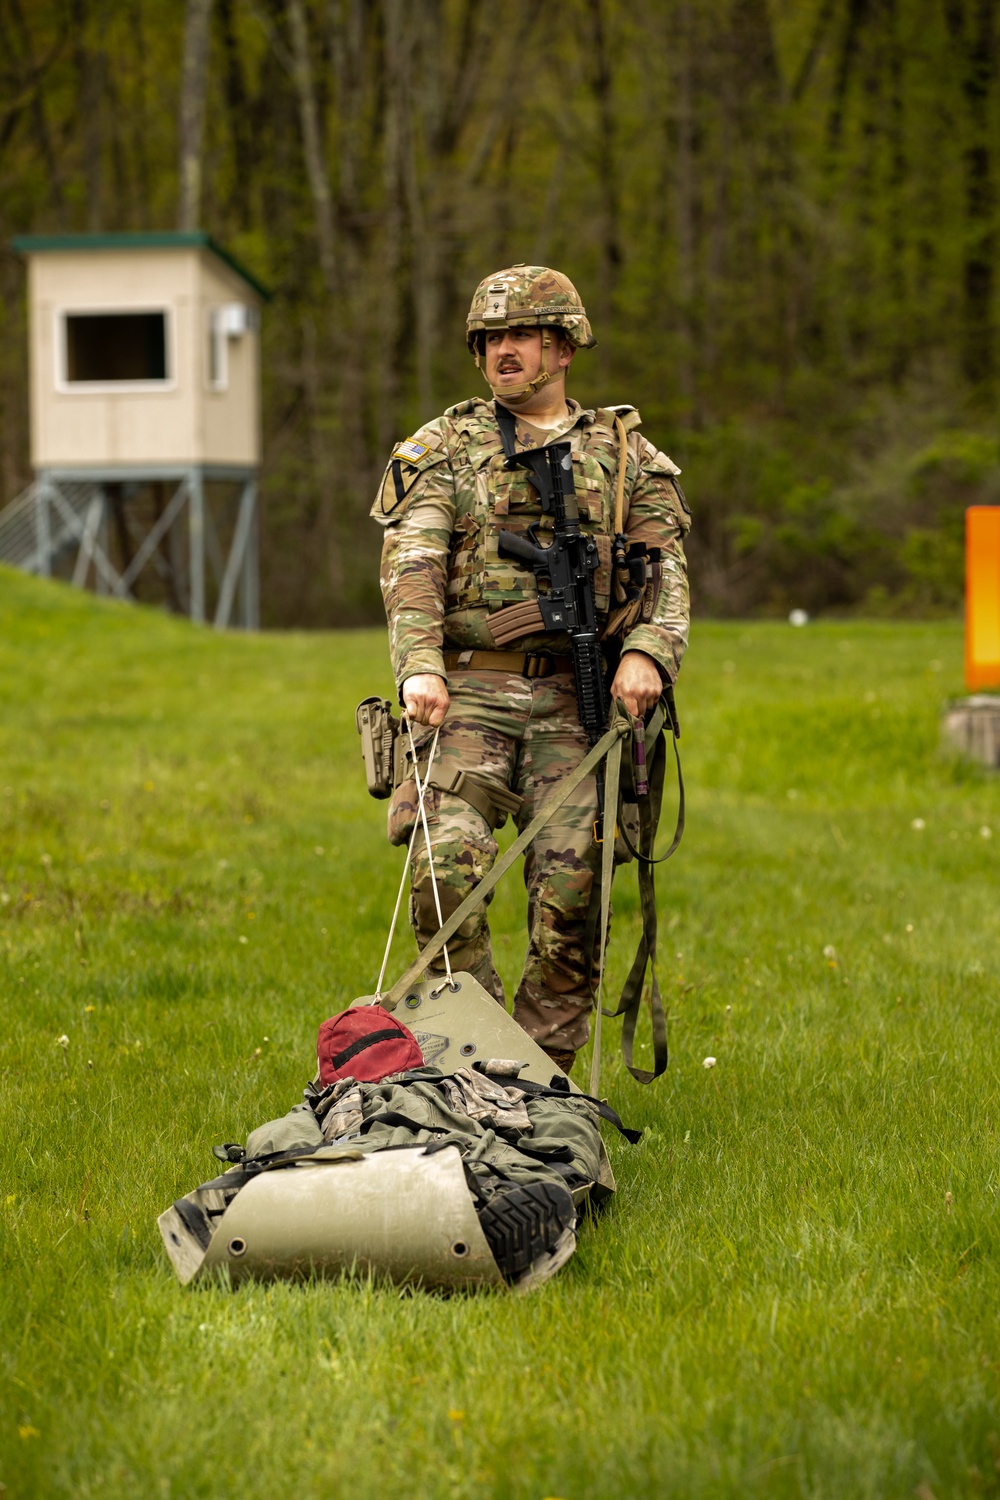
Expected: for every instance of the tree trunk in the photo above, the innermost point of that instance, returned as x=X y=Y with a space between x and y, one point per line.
x=605 y=162
x=684 y=84
x=312 y=141
x=194 y=82
x=975 y=36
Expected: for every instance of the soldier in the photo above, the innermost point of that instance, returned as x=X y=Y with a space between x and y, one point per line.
x=509 y=728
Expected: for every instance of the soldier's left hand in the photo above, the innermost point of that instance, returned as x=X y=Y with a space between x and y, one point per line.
x=638 y=682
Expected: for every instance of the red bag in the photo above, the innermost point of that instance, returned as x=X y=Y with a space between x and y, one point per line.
x=366 y=1043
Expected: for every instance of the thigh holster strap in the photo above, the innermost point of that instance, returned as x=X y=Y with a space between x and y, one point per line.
x=492 y=801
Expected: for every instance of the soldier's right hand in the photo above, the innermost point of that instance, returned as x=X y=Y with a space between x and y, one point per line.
x=425 y=698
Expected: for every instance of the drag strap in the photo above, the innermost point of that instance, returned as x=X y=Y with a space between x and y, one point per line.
x=476 y=897
x=631 y=996
x=653 y=804
x=607 y=875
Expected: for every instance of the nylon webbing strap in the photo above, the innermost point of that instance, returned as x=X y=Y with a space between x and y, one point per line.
x=476 y=897
x=645 y=958
x=508 y=429
x=657 y=777
x=607 y=875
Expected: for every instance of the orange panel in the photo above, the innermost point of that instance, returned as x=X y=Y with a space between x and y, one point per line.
x=982 y=597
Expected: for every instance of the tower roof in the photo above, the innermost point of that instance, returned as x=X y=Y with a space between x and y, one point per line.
x=157 y=239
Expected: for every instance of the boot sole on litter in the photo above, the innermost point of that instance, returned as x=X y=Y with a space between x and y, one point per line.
x=526 y=1223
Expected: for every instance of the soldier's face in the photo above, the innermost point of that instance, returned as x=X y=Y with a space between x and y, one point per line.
x=514 y=356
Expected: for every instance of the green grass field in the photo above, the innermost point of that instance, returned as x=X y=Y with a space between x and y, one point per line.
x=795 y=1291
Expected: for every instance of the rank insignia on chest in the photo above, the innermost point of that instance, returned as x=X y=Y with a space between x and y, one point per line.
x=411 y=451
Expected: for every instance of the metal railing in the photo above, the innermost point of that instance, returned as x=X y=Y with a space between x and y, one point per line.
x=33 y=535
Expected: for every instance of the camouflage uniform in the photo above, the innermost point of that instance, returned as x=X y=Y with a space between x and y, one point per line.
x=444 y=499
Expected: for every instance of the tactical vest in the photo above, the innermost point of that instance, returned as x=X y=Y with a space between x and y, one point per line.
x=491 y=498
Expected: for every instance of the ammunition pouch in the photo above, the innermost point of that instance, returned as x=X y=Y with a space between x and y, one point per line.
x=638 y=576
x=380 y=745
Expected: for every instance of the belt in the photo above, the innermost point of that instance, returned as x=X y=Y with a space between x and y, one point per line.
x=520 y=663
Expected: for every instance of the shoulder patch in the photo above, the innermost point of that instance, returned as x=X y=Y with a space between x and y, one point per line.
x=410 y=450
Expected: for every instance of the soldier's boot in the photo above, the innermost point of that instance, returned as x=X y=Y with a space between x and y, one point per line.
x=530 y=1228
x=562 y=1058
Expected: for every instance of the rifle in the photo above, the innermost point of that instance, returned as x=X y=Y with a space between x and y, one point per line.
x=567 y=565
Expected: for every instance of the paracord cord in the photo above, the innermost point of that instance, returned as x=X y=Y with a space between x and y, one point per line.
x=402 y=883
x=449 y=978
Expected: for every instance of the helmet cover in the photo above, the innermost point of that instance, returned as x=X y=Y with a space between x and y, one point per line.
x=528 y=296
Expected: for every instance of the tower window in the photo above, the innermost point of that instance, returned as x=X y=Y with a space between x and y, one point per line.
x=103 y=347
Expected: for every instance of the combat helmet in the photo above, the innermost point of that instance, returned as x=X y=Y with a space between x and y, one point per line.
x=527 y=296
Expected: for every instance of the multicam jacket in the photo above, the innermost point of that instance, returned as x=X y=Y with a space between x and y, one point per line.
x=446 y=496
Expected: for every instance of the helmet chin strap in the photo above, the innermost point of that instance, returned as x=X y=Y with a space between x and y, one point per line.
x=517 y=395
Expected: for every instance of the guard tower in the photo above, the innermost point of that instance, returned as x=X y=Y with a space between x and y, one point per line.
x=145 y=422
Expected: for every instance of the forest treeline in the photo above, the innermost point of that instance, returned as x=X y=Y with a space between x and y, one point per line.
x=782 y=215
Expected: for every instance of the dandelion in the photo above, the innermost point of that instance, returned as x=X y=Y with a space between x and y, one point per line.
x=829 y=951
x=27 y=1431
x=985 y=833
x=243 y=939
x=88 y=1010
x=909 y=926
x=798 y=617
x=4 y=898
x=62 y=1041
x=46 y=860
x=318 y=849
x=456 y=1416
x=709 y=1062
x=918 y=825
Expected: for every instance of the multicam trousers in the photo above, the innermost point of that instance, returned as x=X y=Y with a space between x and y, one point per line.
x=524 y=735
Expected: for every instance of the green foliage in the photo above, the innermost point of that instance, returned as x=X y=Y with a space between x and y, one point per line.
x=790 y=1295
x=780 y=216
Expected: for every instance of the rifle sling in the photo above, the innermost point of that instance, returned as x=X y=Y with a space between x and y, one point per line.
x=508 y=429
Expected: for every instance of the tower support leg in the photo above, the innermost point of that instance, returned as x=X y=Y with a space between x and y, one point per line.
x=196 y=535
x=43 y=529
